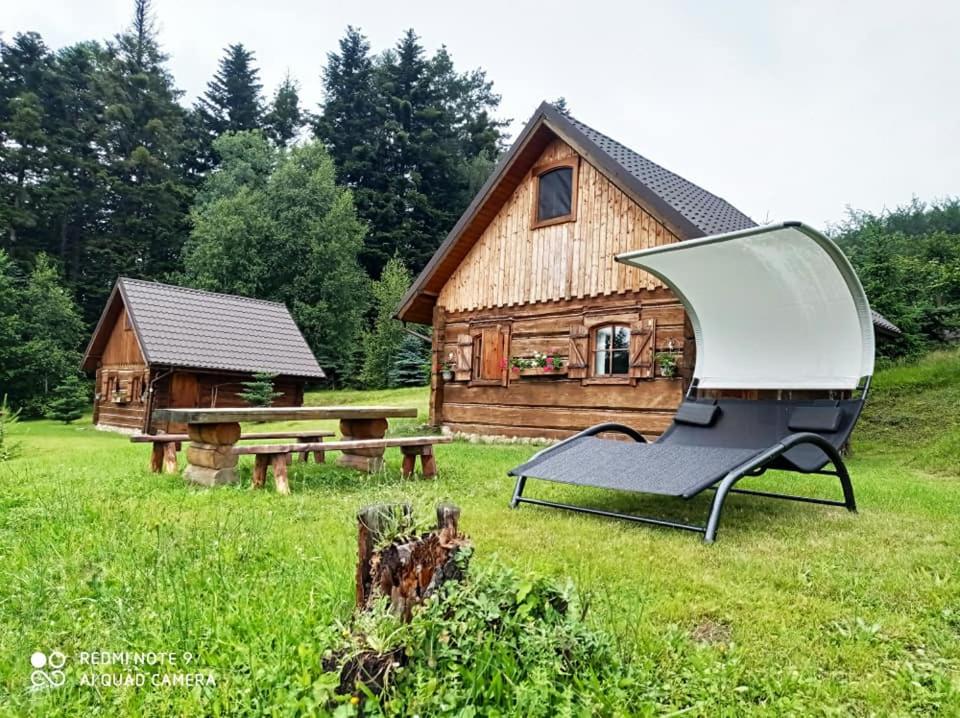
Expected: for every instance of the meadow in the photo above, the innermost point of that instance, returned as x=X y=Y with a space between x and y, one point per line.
x=796 y=610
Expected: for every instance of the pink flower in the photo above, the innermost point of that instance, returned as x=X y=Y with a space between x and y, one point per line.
x=503 y=363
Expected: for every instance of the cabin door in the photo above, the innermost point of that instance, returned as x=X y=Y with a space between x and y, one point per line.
x=184 y=394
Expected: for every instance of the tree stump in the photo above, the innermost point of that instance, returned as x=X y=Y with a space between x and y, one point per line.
x=409 y=568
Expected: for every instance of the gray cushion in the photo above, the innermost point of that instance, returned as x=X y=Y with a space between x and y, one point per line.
x=697 y=414
x=815 y=418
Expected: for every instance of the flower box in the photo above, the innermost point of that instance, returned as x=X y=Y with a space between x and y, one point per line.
x=539 y=372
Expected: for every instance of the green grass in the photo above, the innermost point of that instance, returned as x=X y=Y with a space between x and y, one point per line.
x=796 y=610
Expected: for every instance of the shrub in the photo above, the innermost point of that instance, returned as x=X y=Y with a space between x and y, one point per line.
x=8 y=448
x=497 y=643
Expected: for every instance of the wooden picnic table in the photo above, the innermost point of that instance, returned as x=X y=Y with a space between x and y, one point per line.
x=214 y=432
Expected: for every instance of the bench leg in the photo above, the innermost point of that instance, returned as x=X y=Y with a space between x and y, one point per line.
x=409 y=463
x=260 y=463
x=156 y=457
x=304 y=456
x=428 y=462
x=170 y=457
x=320 y=456
x=280 y=462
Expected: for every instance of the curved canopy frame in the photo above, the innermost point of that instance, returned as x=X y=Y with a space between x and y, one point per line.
x=772 y=307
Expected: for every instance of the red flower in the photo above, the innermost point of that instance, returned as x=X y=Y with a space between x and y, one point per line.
x=503 y=363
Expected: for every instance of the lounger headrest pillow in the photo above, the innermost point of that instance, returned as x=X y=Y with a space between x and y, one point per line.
x=696 y=414
x=815 y=418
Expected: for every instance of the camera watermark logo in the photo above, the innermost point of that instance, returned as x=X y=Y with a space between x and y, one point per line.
x=47 y=670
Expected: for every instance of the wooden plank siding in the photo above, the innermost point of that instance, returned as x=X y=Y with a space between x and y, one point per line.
x=122 y=366
x=512 y=264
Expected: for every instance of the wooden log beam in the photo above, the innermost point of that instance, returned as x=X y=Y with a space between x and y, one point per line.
x=279 y=465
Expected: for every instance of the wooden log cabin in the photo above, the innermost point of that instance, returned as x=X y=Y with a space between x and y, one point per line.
x=158 y=346
x=528 y=271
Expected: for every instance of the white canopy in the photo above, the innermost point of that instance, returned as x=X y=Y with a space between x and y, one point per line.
x=773 y=307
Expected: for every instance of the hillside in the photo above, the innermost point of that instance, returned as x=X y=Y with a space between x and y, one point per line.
x=913 y=415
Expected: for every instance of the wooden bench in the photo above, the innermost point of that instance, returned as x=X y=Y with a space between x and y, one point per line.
x=277 y=455
x=165 y=446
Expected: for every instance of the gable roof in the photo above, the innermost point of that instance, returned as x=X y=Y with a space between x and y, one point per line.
x=191 y=328
x=686 y=209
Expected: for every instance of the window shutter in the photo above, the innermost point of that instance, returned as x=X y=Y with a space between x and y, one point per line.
x=578 y=361
x=464 y=366
x=643 y=340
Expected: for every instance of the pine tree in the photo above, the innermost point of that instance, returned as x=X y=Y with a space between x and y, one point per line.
x=232 y=102
x=411 y=364
x=382 y=344
x=259 y=391
x=70 y=400
x=140 y=144
x=406 y=132
x=24 y=70
x=286 y=118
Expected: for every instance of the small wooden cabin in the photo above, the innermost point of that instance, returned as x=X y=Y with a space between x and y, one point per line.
x=159 y=346
x=529 y=270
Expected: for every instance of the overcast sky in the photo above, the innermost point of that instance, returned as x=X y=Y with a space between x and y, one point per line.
x=789 y=110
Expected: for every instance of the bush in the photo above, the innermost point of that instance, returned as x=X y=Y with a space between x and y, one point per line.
x=8 y=448
x=497 y=643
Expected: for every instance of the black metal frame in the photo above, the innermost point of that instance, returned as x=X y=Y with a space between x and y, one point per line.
x=755 y=466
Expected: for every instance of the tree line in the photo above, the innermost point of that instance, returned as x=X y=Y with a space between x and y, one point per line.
x=908 y=260
x=106 y=172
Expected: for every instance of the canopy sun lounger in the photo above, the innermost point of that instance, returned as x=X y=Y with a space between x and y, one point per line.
x=776 y=308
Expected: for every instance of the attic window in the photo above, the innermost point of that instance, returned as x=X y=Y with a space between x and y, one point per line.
x=556 y=195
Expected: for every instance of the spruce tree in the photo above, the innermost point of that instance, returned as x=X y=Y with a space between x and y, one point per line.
x=285 y=119
x=70 y=399
x=411 y=365
x=232 y=101
x=258 y=391
x=140 y=144
x=382 y=344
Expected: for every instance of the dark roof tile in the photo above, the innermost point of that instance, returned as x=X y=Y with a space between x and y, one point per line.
x=178 y=326
x=709 y=213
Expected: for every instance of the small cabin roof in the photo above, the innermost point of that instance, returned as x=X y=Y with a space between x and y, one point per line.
x=687 y=209
x=196 y=329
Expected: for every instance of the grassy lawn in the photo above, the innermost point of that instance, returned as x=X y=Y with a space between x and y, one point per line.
x=796 y=610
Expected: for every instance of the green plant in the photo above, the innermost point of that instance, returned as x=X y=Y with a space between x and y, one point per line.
x=70 y=400
x=8 y=448
x=258 y=391
x=667 y=362
x=514 y=644
x=547 y=362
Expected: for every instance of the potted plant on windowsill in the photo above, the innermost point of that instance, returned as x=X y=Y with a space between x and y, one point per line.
x=667 y=363
x=120 y=397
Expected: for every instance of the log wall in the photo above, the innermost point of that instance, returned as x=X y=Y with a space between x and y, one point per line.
x=557 y=405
